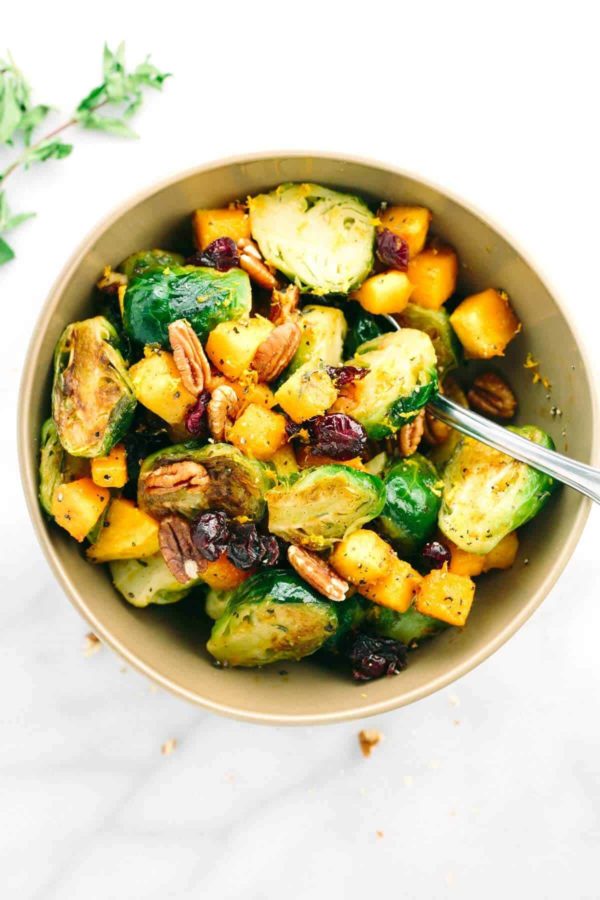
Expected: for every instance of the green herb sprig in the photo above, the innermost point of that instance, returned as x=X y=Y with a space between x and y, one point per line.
x=108 y=107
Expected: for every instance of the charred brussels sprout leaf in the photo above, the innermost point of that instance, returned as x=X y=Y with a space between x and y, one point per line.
x=323 y=504
x=435 y=323
x=408 y=627
x=237 y=484
x=321 y=239
x=402 y=378
x=487 y=494
x=146 y=260
x=145 y=581
x=413 y=495
x=205 y=297
x=271 y=617
x=92 y=398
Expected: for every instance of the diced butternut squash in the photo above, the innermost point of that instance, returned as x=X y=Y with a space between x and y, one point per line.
x=284 y=461
x=158 y=386
x=121 y=296
x=210 y=224
x=306 y=459
x=78 y=505
x=387 y=292
x=111 y=470
x=485 y=323
x=410 y=222
x=396 y=590
x=253 y=392
x=433 y=274
x=232 y=345
x=222 y=575
x=126 y=533
x=308 y=392
x=258 y=432
x=362 y=556
x=504 y=554
x=446 y=596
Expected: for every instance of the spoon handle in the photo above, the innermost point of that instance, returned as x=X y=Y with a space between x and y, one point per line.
x=578 y=475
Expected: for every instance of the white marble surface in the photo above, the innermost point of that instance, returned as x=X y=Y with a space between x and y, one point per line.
x=490 y=788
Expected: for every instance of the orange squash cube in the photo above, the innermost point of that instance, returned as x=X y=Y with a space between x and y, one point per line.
x=504 y=554
x=387 y=292
x=433 y=274
x=231 y=345
x=258 y=432
x=462 y=562
x=78 y=505
x=222 y=575
x=158 y=386
x=310 y=391
x=396 y=590
x=110 y=470
x=210 y=224
x=127 y=533
x=485 y=323
x=362 y=557
x=446 y=596
x=410 y=222
x=285 y=462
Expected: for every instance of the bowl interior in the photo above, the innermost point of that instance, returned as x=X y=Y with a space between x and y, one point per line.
x=168 y=643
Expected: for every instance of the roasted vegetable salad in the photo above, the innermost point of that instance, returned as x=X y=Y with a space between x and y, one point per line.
x=240 y=426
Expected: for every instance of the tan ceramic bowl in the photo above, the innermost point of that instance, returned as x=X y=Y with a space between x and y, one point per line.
x=168 y=643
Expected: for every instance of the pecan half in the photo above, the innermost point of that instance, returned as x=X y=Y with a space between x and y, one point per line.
x=284 y=304
x=110 y=282
x=434 y=431
x=184 y=475
x=252 y=262
x=222 y=408
x=276 y=351
x=178 y=549
x=409 y=436
x=317 y=573
x=491 y=396
x=189 y=357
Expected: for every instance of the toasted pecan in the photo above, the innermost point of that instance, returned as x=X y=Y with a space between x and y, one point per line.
x=251 y=261
x=284 y=304
x=276 y=351
x=178 y=549
x=409 y=436
x=182 y=475
x=491 y=395
x=189 y=357
x=316 y=572
x=222 y=409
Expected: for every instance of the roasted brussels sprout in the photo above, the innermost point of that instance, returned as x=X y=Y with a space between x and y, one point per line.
x=145 y=581
x=92 y=397
x=203 y=296
x=216 y=602
x=407 y=627
x=146 y=260
x=174 y=480
x=323 y=332
x=435 y=323
x=321 y=239
x=351 y=614
x=323 y=504
x=51 y=464
x=363 y=326
x=487 y=494
x=272 y=616
x=402 y=378
x=413 y=495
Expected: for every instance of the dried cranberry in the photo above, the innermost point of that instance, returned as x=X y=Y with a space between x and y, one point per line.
x=392 y=250
x=374 y=657
x=271 y=550
x=245 y=547
x=345 y=375
x=434 y=555
x=292 y=428
x=195 y=420
x=211 y=535
x=221 y=255
x=337 y=436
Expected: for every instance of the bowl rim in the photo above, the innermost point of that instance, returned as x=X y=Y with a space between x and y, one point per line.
x=28 y=470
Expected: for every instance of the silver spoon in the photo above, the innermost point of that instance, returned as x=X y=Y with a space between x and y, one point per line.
x=578 y=475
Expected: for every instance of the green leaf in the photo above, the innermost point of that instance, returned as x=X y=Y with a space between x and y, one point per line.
x=47 y=150
x=105 y=123
x=147 y=73
x=30 y=121
x=6 y=252
x=14 y=99
x=7 y=220
x=17 y=220
x=95 y=97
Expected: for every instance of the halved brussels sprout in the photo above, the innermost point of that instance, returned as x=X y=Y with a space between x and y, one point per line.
x=238 y=484
x=51 y=464
x=323 y=504
x=407 y=627
x=92 y=397
x=321 y=239
x=487 y=494
x=272 y=616
x=145 y=260
x=363 y=326
x=402 y=378
x=435 y=323
x=323 y=331
x=145 y=581
x=203 y=296
x=413 y=496
x=216 y=602
x=351 y=614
